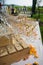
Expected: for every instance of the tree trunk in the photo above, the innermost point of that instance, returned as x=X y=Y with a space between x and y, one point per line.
x=33 y=7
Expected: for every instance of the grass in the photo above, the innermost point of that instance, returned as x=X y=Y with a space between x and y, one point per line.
x=36 y=16
x=41 y=28
x=41 y=17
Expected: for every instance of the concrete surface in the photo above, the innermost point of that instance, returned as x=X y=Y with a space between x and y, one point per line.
x=38 y=45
